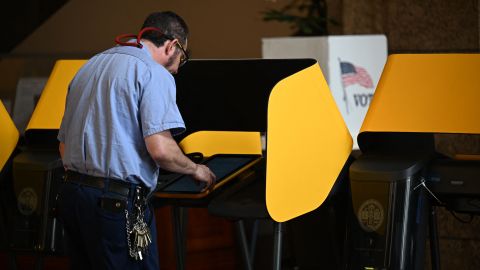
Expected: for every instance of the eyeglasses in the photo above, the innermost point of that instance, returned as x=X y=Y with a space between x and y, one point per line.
x=184 y=57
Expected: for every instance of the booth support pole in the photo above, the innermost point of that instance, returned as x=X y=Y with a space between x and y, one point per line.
x=434 y=245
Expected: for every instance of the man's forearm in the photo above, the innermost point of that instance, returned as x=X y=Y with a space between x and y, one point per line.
x=175 y=161
x=167 y=154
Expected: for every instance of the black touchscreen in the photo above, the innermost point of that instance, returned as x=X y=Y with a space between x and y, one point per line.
x=222 y=166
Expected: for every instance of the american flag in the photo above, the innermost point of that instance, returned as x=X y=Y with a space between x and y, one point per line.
x=353 y=74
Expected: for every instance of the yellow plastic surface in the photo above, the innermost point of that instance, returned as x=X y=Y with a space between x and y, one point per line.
x=49 y=111
x=8 y=136
x=433 y=93
x=222 y=142
x=308 y=144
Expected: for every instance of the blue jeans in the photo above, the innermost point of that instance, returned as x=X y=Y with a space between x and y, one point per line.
x=97 y=237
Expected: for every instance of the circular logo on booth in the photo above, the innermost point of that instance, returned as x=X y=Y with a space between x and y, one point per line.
x=370 y=215
x=27 y=201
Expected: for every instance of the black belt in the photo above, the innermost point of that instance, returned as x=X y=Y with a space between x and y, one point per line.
x=114 y=185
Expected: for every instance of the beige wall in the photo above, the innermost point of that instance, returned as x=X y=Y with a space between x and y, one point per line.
x=417 y=26
x=219 y=29
x=233 y=29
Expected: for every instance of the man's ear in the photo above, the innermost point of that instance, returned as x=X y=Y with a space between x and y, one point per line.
x=170 y=47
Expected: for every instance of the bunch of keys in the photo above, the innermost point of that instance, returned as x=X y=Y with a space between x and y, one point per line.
x=139 y=233
x=142 y=238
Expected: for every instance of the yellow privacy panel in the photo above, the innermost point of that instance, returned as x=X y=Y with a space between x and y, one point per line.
x=307 y=144
x=8 y=136
x=50 y=108
x=427 y=93
x=222 y=142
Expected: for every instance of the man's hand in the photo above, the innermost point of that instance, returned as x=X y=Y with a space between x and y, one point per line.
x=204 y=174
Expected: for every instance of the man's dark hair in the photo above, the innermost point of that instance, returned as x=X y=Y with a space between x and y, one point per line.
x=170 y=23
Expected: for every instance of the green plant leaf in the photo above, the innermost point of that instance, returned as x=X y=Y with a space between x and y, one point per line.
x=306 y=17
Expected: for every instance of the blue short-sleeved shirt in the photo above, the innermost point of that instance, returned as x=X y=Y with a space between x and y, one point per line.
x=116 y=99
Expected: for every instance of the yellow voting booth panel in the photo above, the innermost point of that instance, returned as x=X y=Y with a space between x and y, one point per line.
x=442 y=90
x=222 y=142
x=50 y=108
x=307 y=144
x=8 y=136
x=419 y=98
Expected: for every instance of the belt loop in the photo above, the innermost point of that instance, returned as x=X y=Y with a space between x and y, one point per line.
x=133 y=188
x=106 y=187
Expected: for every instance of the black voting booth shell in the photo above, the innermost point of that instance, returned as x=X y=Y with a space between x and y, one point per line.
x=230 y=95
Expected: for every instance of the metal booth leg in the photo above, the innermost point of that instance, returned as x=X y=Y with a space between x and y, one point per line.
x=179 y=231
x=277 y=245
x=434 y=245
x=247 y=259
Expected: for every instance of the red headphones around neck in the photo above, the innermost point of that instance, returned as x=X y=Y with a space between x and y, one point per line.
x=137 y=44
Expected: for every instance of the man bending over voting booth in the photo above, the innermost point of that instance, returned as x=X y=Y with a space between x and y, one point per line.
x=213 y=96
x=400 y=173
